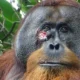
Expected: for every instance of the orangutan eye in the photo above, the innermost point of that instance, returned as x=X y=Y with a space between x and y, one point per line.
x=64 y=29
x=47 y=26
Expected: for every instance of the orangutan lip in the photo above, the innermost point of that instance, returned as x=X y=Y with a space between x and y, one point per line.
x=53 y=64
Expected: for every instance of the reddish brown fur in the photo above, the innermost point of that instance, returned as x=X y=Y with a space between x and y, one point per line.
x=60 y=2
x=10 y=67
x=7 y=60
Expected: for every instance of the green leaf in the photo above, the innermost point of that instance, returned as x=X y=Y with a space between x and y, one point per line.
x=9 y=13
x=7 y=9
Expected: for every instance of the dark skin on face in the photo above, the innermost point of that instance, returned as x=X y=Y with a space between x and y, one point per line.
x=58 y=57
x=47 y=45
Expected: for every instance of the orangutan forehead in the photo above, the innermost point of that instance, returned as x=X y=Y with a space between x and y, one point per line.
x=59 y=2
x=41 y=14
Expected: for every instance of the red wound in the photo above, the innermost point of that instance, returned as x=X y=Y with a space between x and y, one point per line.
x=42 y=35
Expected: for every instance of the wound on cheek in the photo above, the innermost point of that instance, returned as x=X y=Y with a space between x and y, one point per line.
x=42 y=35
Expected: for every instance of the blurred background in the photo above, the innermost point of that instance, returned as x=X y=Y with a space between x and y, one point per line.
x=11 y=13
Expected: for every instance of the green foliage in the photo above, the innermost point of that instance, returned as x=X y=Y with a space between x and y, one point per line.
x=8 y=15
x=25 y=5
x=78 y=0
x=9 y=20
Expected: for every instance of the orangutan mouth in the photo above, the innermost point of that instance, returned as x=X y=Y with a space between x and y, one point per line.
x=54 y=64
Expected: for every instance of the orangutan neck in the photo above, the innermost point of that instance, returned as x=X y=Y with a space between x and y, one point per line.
x=40 y=73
